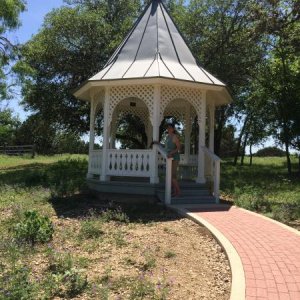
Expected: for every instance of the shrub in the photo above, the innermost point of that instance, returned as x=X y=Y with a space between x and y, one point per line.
x=90 y=229
x=170 y=254
x=270 y=151
x=254 y=202
x=114 y=215
x=34 y=228
x=35 y=177
x=284 y=212
x=15 y=284
x=64 y=279
x=66 y=177
x=144 y=288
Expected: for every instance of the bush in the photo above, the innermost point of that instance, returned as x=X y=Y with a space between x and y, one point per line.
x=270 y=151
x=144 y=288
x=15 y=284
x=67 y=177
x=90 y=229
x=254 y=202
x=114 y=215
x=64 y=280
x=34 y=228
x=284 y=212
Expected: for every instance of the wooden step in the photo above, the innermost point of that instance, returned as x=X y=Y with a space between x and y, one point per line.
x=191 y=198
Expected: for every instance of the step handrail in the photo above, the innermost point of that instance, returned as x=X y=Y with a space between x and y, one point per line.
x=164 y=154
x=215 y=170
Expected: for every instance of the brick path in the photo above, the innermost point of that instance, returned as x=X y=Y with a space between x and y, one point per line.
x=270 y=253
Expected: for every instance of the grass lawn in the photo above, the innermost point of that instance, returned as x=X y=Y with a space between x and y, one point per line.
x=71 y=244
x=264 y=187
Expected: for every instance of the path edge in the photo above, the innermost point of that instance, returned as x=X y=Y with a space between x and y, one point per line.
x=238 y=281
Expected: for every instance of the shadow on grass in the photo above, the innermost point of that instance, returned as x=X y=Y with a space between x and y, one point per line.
x=137 y=208
x=26 y=176
x=65 y=177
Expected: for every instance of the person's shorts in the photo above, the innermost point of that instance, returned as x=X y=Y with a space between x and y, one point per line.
x=174 y=168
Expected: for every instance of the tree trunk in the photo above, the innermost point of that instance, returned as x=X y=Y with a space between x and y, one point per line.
x=244 y=149
x=251 y=155
x=288 y=159
x=238 y=146
x=220 y=122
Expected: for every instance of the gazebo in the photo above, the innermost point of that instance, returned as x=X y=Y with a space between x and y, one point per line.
x=153 y=74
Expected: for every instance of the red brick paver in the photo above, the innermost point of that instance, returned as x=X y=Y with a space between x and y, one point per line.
x=270 y=253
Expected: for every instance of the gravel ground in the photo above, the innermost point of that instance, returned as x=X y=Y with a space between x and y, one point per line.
x=180 y=258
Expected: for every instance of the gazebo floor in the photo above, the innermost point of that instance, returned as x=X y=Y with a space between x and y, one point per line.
x=192 y=193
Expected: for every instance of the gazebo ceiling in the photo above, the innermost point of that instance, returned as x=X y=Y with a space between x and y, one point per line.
x=154 y=48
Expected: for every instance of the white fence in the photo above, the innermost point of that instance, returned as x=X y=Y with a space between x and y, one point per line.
x=130 y=163
x=95 y=162
x=140 y=163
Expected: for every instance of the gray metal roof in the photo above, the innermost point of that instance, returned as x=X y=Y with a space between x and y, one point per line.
x=154 y=48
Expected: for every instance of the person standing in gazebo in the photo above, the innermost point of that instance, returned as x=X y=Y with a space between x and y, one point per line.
x=172 y=147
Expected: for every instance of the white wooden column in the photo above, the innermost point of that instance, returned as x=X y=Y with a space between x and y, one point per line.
x=155 y=126
x=113 y=130
x=187 y=133
x=201 y=123
x=149 y=132
x=211 y=109
x=103 y=176
x=92 y=134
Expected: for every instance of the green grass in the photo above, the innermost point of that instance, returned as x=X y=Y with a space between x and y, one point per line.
x=264 y=186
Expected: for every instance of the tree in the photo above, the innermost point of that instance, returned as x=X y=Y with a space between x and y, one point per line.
x=279 y=73
x=73 y=44
x=131 y=133
x=224 y=37
x=37 y=131
x=8 y=127
x=9 y=19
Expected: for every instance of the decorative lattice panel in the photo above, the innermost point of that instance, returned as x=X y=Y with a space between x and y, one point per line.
x=140 y=112
x=143 y=92
x=169 y=93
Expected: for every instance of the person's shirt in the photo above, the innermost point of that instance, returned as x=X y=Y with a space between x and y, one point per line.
x=171 y=145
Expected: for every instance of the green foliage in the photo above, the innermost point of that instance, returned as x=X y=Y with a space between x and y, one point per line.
x=170 y=254
x=34 y=228
x=67 y=177
x=15 y=283
x=265 y=187
x=64 y=279
x=8 y=127
x=9 y=19
x=73 y=44
x=285 y=212
x=254 y=202
x=116 y=215
x=144 y=288
x=90 y=229
x=270 y=151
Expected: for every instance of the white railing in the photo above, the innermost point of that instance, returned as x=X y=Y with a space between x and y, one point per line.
x=191 y=161
x=95 y=162
x=187 y=169
x=213 y=165
x=168 y=162
x=124 y=162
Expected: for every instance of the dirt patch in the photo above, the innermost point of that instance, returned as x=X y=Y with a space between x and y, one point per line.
x=174 y=254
